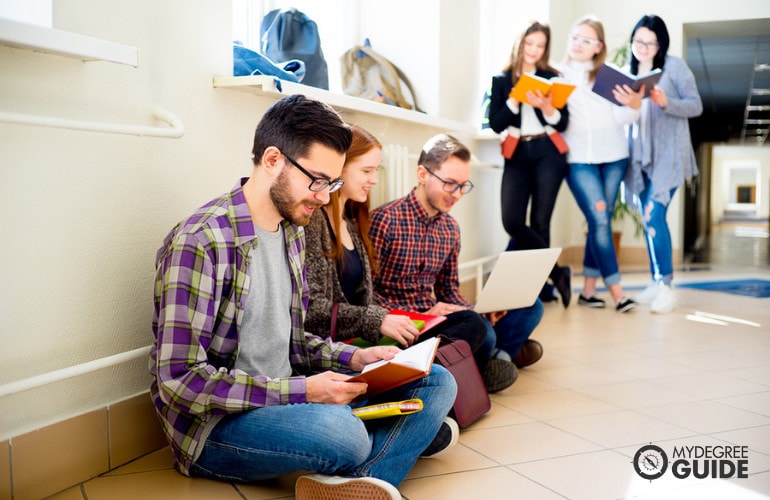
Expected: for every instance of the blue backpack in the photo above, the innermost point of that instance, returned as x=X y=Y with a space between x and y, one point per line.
x=289 y=34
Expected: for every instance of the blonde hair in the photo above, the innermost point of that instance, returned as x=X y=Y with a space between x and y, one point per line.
x=593 y=22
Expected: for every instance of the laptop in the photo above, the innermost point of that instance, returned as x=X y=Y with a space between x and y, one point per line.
x=516 y=279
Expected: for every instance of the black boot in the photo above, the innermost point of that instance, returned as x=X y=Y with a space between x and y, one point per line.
x=562 y=280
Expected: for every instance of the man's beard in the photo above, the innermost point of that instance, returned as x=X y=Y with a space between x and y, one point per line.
x=285 y=204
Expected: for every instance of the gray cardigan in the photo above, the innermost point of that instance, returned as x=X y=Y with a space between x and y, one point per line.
x=660 y=143
x=353 y=320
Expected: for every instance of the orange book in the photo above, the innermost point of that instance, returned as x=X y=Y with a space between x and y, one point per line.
x=560 y=91
x=408 y=365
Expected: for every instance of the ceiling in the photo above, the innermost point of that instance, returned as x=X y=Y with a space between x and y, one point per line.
x=731 y=64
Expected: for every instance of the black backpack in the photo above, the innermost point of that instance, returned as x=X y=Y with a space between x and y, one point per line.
x=289 y=34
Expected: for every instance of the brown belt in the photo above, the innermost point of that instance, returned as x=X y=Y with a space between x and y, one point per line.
x=527 y=138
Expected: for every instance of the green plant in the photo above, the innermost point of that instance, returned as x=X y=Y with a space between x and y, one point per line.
x=623 y=210
x=620 y=56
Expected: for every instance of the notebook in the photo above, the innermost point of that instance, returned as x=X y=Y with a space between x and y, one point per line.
x=516 y=279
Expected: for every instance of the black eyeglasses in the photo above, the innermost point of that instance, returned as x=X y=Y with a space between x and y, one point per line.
x=646 y=45
x=452 y=187
x=317 y=183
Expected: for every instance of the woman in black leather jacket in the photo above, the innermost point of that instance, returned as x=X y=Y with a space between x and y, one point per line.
x=534 y=151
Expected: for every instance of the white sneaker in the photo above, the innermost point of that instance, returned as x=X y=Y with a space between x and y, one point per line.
x=323 y=487
x=647 y=296
x=665 y=301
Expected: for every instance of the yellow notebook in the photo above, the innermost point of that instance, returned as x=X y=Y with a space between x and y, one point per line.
x=393 y=409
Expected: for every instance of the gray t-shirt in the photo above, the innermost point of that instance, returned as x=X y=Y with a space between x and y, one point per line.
x=266 y=326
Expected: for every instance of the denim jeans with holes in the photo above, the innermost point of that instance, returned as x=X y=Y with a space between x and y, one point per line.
x=657 y=234
x=595 y=187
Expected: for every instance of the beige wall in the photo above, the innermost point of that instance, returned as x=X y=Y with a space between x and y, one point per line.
x=84 y=212
x=725 y=156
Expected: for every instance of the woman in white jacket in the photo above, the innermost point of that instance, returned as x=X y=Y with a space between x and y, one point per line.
x=598 y=157
x=661 y=150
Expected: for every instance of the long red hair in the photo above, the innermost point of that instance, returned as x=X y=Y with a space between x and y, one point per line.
x=357 y=212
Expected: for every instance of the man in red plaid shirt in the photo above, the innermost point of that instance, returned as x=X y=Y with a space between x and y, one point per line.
x=418 y=244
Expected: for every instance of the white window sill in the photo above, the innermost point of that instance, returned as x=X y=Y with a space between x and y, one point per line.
x=65 y=43
x=265 y=85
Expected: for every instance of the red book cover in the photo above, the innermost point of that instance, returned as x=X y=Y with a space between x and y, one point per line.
x=429 y=320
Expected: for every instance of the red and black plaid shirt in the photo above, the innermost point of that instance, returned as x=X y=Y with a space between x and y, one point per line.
x=417 y=256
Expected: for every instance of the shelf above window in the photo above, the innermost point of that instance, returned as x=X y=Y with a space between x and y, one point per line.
x=65 y=43
x=266 y=85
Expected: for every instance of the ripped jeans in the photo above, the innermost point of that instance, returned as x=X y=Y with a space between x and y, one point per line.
x=657 y=234
x=595 y=188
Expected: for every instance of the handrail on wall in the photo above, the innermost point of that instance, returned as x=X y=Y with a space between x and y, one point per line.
x=72 y=371
x=176 y=131
x=116 y=359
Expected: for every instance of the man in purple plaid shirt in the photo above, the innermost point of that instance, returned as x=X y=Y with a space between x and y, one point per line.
x=418 y=246
x=242 y=391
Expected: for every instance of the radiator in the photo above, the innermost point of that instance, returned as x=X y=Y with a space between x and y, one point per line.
x=398 y=172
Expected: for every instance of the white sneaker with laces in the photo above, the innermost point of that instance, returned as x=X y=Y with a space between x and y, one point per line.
x=647 y=296
x=323 y=487
x=665 y=301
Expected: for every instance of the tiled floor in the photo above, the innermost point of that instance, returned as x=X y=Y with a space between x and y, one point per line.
x=571 y=425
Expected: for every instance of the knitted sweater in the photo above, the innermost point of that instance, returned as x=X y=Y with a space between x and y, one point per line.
x=660 y=144
x=353 y=320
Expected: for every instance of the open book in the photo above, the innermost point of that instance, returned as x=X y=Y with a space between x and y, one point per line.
x=560 y=91
x=408 y=365
x=392 y=409
x=610 y=75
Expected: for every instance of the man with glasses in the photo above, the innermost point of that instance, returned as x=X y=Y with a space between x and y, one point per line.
x=242 y=391
x=418 y=245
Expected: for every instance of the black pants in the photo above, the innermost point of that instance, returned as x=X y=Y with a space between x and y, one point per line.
x=470 y=327
x=533 y=175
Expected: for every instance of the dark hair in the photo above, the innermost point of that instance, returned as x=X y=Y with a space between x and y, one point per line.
x=439 y=149
x=356 y=211
x=517 y=60
x=657 y=26
x=294 y=123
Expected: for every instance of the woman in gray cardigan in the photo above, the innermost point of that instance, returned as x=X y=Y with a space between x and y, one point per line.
x=340 y=264
x=339 y=257
x=662 y=157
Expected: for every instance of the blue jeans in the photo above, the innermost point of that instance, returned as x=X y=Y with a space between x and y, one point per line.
x=275 y=440
x=514 y=328
x=595 y=187
x=657 y=234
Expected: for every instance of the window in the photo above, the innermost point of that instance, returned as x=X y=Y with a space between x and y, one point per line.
x=38 y=12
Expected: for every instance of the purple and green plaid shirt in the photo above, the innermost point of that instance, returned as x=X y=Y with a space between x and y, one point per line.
x=201 y=284
x=417 y=256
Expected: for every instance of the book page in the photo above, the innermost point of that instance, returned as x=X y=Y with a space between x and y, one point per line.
x=419 y=356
